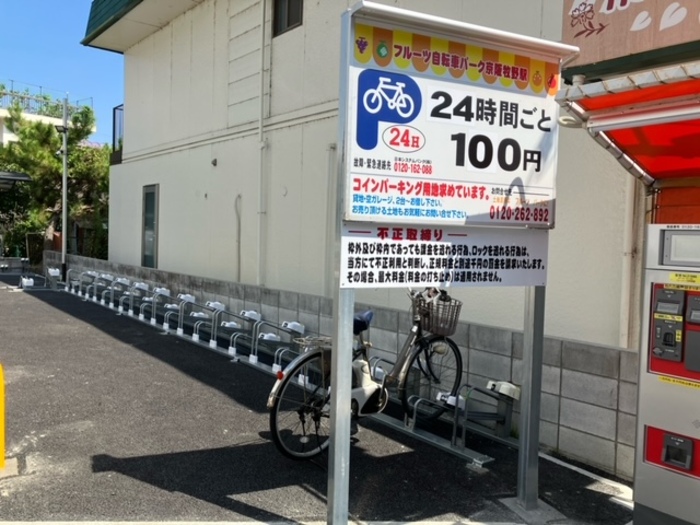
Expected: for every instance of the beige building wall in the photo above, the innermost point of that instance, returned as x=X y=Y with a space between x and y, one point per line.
x=237 y=203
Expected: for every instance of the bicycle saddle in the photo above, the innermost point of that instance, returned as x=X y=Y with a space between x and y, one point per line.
x=360 y=322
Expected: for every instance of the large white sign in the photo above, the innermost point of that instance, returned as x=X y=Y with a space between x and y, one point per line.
x=385 y=256
x=447 y=133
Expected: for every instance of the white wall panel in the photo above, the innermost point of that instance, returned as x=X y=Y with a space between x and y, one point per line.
x=244 y=89
x=239 y=6
x=245 y=40
x=125 y=214
x=175 y=80
x=199 y=101
x=245 y=21
x=181 y=78
x=243 y=112
x=159 y=117
x=287 y=69
x=219 y=117
x=297 y=206
x=138 y=94
x=285 y=202
x=244 y=66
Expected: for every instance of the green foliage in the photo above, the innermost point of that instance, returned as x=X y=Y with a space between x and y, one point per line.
x=37 y=206
x=15 y=239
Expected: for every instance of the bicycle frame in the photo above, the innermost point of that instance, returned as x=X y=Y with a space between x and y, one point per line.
x=408 y=350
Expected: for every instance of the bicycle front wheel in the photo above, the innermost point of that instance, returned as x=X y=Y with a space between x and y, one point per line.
x=435 y=369
x=300 y=413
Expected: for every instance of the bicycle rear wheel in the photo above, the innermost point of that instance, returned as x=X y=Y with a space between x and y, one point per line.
x=300 y=413
x=435 y=369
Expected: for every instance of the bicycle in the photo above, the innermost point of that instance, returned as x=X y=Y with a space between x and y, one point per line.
x=427 y=372
x=399 y=101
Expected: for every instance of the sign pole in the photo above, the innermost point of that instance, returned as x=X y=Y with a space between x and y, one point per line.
x=343 y=305
x=341 y=383
x=533 y=343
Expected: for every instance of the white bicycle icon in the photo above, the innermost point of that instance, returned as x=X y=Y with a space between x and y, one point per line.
x=395 y=98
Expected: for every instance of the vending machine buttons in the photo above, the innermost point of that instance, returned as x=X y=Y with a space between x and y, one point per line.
x=668 y=324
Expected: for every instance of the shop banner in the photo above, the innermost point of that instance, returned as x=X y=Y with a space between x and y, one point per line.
x=638 y=30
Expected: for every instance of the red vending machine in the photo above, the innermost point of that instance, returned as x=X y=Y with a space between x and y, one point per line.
x=667 y=466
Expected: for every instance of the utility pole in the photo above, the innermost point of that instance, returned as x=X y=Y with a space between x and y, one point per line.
x=64 y=188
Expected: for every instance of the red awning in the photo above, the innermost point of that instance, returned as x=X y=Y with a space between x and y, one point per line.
x=650 y=120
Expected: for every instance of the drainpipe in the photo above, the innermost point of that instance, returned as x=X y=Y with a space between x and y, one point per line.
x=262 y=210
x=237 y=208
x=628 y=244
x=332 y=221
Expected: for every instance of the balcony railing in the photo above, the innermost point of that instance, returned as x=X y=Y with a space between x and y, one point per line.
x=42 y=105
x=117 y=134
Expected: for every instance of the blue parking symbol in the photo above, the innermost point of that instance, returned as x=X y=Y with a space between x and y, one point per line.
x=384 y=97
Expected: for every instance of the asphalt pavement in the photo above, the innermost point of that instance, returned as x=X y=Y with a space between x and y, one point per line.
x=108 y=419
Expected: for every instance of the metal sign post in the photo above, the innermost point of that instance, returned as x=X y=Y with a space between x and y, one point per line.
x=447 y=157
x=533 y=345
x=343 y=304
x=341 y=382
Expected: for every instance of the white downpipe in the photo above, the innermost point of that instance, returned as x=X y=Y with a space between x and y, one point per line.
x=262 y=210
x=237 y=209
x=628 y=244
x=331 y=221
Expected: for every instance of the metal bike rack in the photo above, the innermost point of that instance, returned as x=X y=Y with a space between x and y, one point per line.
x=119 y=285
x=152 y=303
x=247 y=326
x=104 y=280
x=408 y=427
x=136 y=290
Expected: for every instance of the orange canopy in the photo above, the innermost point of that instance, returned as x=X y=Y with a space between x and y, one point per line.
x=651 y=121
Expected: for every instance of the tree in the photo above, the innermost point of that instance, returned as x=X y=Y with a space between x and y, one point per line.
x=37 y=206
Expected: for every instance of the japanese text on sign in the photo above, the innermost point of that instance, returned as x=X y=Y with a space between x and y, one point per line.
x=389 y=256
x=431 y=140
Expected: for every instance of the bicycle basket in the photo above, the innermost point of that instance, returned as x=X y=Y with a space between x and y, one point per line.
x=438 y=317
x=307 y=344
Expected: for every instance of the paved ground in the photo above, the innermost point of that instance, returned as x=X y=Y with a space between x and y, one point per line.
x=110 y=420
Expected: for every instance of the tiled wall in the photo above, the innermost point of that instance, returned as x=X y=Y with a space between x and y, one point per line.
x=589 y=392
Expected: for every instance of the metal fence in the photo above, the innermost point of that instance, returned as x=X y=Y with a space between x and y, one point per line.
x=42 y=105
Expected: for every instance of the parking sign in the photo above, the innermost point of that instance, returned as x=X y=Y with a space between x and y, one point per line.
x=443 y=131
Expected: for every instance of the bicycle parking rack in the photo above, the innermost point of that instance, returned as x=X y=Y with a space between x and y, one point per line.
x=273 y=340
x=76 y=286
x=51 y=277
x=246 y=330
x=100 y=283
x=152 y=304
x=135 y=292
x=205 y=318
x=462 y=418
x=185 y=301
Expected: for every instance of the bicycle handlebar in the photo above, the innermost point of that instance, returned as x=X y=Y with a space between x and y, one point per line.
x=430 y=294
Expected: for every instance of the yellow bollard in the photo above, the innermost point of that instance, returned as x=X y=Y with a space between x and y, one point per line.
x=2 y=419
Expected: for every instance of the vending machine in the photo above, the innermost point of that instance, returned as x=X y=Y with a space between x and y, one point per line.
x=667 y=466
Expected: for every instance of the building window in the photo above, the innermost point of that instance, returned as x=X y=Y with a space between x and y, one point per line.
x=286 y=15
x=149 y=241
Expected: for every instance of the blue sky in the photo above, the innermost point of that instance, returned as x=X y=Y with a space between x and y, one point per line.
x=40 y=43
